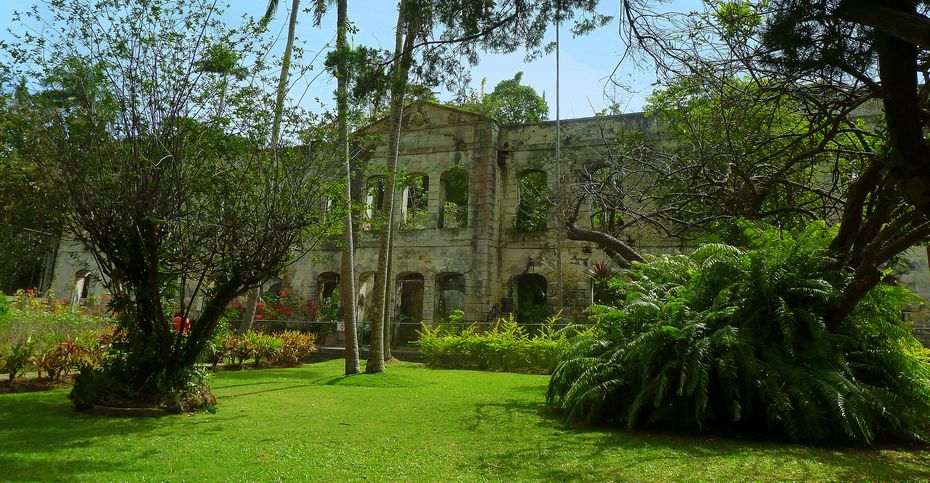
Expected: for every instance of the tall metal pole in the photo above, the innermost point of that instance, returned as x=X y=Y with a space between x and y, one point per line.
x=558 y=160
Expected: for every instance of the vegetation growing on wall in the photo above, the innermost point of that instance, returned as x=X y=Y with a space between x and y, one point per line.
x=534 y=203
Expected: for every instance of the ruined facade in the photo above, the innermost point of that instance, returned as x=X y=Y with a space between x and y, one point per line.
x=476 y=232
x=477 y=228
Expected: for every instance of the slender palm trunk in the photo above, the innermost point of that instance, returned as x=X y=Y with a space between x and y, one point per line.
x=285 y=71
x=248 y=317
x=380 y=330
x=347 y=285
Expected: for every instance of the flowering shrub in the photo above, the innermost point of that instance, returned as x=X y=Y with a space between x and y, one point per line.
x=279 y=306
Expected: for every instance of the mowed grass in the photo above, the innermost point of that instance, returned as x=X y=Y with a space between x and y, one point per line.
x=410 y=423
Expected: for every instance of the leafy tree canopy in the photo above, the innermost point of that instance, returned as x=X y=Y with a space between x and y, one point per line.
x=509 y=103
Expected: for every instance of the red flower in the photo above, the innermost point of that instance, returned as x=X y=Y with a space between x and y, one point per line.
x=258 y=316
x=260 y=306
x=29 y=291
x=282 y=293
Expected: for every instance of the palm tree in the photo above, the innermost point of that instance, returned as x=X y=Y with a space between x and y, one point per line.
x=285 y=64
x=347 y=276
x=248 y=317
x=409 y=22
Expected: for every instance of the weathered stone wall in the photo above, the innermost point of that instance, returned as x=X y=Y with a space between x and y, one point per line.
x=915 y=274
x=72 y=264
x=490 y=254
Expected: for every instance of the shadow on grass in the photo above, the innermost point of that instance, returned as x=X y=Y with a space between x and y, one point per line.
x=15 y=469
x=30 y=453
x=567 y=452
x=382 y=380
x=264 y=391
x=271 y=376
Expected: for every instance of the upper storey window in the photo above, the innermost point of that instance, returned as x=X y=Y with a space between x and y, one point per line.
x=415 y=210
x=374 y=202
x=533 y=205
x=454 y=210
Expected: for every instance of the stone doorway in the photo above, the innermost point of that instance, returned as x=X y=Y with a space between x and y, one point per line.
x=408 y=309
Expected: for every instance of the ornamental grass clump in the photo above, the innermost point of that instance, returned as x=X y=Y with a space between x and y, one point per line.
x=736 y=339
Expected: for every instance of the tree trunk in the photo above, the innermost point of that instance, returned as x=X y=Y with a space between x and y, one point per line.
x=403 y=46
x=248 y=314
x=347 y=276
x=282 y=80
x=250 y=304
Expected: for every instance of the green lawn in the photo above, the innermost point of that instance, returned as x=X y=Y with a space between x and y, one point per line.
x=408 y=424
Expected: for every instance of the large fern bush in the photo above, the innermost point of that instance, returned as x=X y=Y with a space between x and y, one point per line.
x=735 y=339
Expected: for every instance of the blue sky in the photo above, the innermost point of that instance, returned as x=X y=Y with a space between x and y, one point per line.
x=586 y=62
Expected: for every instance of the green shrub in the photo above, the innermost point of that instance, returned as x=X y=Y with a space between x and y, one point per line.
x=262 y=346
x=4 y=307
x=48 y=328
x=295 y=347
x=17 y=358
x=736 y=339
x=505 y=346
x=285 y=349
x=216 y=351
x=62 y=357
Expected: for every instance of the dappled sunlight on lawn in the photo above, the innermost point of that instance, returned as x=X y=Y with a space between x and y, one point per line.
x=409 y=423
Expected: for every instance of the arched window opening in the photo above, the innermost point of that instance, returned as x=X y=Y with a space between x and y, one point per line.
x=272 y=286
x=374 y=203
x=326 y=284
x=408 y=309
x=363 y=304
x=327 y=296
x=454 y=209
x=415 y=209
x=606 y=191
x=533 y=204
x=81 y=288
x=450 y=294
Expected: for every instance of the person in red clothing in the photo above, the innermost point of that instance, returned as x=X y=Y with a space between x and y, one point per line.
x=181 y=323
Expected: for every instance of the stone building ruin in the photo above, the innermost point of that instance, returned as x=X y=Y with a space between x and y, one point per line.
x=475 y=231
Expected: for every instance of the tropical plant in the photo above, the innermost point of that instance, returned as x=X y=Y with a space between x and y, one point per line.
x=504 y=346
x=737 y=338
x=295 y=347
x=17 y=358
x=4 y=309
